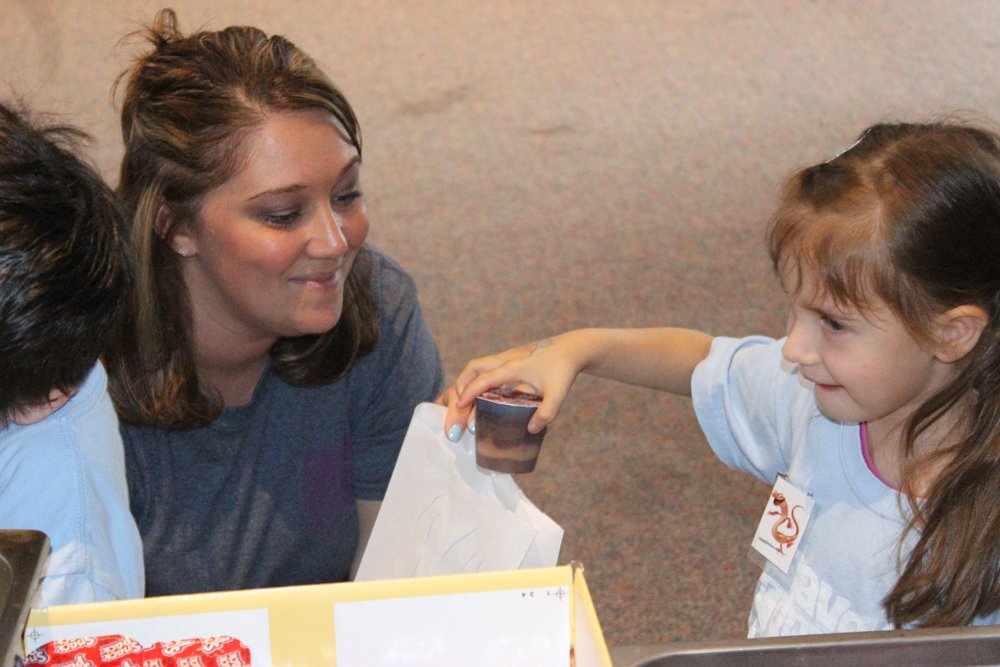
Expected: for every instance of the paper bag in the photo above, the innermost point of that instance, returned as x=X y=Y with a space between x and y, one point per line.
x=444 y=515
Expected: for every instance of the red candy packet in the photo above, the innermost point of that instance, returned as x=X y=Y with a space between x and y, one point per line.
x=120 y=651
x=110 y=650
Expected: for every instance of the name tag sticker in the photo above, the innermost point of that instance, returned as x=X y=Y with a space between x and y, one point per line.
x=782 y=524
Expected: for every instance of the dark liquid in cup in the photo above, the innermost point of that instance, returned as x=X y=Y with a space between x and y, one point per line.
x=503 y=443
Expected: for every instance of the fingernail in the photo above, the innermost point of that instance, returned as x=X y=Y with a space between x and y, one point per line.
x=455 y=433
x=472 y=427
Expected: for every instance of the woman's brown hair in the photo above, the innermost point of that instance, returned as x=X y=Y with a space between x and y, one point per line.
x=188 y=105
x=910 y=214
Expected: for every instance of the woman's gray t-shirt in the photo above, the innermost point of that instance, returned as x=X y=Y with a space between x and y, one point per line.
x=265 y=495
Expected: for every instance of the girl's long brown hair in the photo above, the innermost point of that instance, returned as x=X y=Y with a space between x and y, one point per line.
x=911 y=214
x=188 y=104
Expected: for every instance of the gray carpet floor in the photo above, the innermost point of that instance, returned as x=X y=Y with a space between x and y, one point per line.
x=549 y=164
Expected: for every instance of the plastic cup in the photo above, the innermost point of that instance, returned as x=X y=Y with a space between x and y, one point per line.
x=503 y=443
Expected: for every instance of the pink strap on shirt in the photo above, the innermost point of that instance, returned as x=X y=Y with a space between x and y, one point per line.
x=866 y=452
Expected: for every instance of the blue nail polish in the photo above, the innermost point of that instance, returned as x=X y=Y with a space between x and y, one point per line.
x=455 y=433
x=472 y=427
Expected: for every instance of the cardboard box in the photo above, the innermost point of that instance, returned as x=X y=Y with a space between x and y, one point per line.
x=529 y=617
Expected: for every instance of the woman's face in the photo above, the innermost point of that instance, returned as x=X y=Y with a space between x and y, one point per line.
x=270 y=251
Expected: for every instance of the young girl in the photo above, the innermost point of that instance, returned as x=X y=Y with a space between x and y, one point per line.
x=882 y=404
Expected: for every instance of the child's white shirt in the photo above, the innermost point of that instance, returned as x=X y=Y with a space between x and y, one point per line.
x=759 y=416
x=65 y=476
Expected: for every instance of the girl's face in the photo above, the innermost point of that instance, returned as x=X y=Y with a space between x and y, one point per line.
x=864 y=366
x=271 y=249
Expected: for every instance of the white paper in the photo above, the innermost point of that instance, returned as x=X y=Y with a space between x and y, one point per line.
x=444 y=515
x=527 y=628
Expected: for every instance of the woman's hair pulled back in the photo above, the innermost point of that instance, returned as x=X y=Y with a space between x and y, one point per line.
x=188 y=105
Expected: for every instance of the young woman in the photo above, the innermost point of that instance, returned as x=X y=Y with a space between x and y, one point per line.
x=272 y=360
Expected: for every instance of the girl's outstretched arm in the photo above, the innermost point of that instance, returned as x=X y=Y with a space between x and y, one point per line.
x=661 y=359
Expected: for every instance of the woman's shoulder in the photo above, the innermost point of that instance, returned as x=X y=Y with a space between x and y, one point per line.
x=386 y=272
x=395 y=290
x=405 y=335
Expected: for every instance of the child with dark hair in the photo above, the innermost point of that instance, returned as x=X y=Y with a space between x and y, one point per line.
x=878 y=412
x=64 y=277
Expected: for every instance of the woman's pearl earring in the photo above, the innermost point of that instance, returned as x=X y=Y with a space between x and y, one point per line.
x=183 y=252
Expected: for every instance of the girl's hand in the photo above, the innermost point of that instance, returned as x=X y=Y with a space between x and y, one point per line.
x=547 y=368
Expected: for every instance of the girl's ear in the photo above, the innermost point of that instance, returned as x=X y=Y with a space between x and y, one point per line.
x=163 y=222
x=179 y=239
x=36 y=412
x=957 y=332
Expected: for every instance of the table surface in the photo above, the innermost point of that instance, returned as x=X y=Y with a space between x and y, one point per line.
x=968 y=645
x=626 y=656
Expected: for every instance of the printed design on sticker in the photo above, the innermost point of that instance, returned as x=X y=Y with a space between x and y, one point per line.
x=233 y=659
x=119 y=649
x=786 y=529
x=37 y=657
x=211 y=644
x=783 y=523
x=176 y=646
x=67 y=645
x=78 y=661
